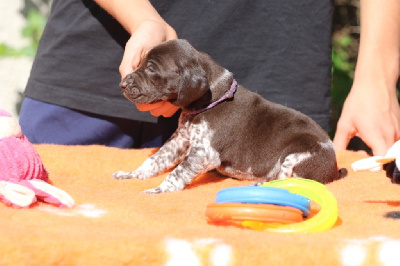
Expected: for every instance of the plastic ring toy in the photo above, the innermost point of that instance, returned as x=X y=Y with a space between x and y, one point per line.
x=268 y=195
x=323 y=220
x=236 y=213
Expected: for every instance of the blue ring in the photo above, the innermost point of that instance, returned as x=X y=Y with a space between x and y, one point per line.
x=267 y=195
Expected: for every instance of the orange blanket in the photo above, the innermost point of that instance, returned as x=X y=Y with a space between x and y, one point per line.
x=114 y=224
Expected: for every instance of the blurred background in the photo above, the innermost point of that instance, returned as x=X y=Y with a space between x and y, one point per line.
x=22 y=22
x=21 y=25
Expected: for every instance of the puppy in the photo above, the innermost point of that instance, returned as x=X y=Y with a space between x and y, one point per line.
x=223 y=126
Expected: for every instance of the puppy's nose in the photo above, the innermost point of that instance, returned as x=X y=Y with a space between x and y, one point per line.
x=126 y=82
x=123 y=84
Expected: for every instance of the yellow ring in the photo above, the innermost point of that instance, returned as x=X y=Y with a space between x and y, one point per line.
x=323 y=220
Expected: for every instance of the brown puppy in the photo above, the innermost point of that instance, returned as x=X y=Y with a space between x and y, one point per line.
x=223 y=126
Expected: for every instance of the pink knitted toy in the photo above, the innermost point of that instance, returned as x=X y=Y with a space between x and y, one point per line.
x=23 y=178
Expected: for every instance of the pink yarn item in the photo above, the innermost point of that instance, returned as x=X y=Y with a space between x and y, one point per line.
x=20 y=161
x=5 y=113
x=9 y=203
x=43 y=195
x=23 y=178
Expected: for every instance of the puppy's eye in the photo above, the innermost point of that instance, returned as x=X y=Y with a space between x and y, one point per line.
x=150 y=67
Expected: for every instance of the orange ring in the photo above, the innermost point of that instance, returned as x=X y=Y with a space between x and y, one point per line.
x=235 y=213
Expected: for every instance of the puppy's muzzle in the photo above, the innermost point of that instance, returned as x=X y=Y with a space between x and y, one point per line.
x=128 y=88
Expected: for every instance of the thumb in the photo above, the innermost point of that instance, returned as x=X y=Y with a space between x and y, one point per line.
x=130 y=59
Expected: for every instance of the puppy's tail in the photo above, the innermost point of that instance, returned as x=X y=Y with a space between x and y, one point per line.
x=342 y=173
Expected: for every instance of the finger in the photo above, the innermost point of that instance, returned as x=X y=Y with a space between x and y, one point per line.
x=343 y=135
x=378 y=146
x=126 y=65
x=362 y=152
x=130 y=60
x=377 y=142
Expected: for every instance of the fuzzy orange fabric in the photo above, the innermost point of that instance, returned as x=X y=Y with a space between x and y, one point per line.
x=114 y=224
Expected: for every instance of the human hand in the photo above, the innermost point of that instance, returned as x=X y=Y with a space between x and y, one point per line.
x=372 y=113
x=148 y=34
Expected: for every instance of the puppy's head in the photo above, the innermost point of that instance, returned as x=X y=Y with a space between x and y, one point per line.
x=171 y=71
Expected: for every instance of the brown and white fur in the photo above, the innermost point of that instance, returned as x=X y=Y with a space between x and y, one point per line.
x=246 y=137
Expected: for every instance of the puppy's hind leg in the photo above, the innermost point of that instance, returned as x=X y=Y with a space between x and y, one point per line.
x=285 y=169
x=290 y=162
x=169 y=155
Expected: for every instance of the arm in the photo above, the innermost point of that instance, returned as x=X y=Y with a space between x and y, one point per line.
x=371 y=110
x=147 y=29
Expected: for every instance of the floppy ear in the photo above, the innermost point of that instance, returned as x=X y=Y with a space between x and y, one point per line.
x=193 y=85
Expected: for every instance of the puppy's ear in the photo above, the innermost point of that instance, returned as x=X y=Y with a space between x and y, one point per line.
x=193 y=85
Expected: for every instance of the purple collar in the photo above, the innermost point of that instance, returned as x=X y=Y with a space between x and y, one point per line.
x=228 y=95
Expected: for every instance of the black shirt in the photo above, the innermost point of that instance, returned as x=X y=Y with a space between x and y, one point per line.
x=277 y=48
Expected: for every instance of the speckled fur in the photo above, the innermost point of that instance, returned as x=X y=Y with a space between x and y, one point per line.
x=246 y=137
x=189 y=147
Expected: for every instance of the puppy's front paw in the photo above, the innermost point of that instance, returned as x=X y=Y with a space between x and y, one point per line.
x=156 y=190
x=165 y=186
x=126 y=175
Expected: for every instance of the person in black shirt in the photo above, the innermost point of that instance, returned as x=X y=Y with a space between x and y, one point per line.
x=279 y=49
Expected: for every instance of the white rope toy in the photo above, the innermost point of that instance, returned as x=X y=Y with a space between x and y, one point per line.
x=375 y=163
